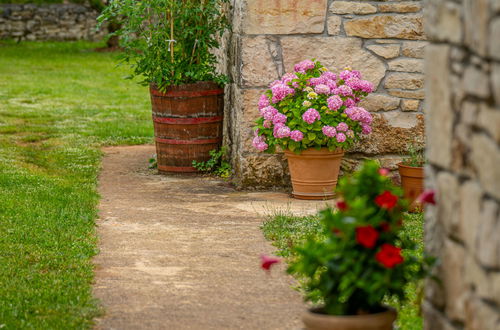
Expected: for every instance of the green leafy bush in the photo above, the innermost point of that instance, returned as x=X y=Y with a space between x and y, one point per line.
x=169 y=42
x=217 y=164
x=363 y=255
x=414 y=157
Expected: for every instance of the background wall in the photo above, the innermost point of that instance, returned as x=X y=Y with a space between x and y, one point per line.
x=382 y=39
x=48 y=22
x=463 y=134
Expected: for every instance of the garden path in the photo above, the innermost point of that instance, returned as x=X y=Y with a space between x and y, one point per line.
x=182 y=251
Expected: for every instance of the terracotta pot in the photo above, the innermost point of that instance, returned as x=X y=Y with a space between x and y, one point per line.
x=313 y=320
x=314 y=172
x=412 y=181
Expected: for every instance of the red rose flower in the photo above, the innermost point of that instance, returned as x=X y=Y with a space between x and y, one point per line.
x=342 y=205
x=389 y=256
x=386 y=200
x=427 y=197
x=267 y=262
x=367 y=236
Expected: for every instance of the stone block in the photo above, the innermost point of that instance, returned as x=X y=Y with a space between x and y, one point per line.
x=386 y=51
x=414 y=49
x=440 y=116
x=400 y=7
x=284 y=16
x=485 y=158
x=495 y=83
x=434 y=319
x=488 y=245
x=476 y=18
x=334 y=22
x=387 y=26
x=404 y=81
x=262 y=171
x=443 y=21
x=257 y=65
x=413 y=94
x=449 y=202
x=470 y=195
x=392 y=132
x=335 y=53
x=379 y=102
x=480 y=315
x=453 y=277
x=410 y=105
x=350 y=7
x=489 y=120
x=406 y=65
x=476 y=82
x=494 y=45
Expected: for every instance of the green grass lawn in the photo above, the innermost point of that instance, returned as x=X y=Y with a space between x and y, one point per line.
x=59 y=103
x=286 y=231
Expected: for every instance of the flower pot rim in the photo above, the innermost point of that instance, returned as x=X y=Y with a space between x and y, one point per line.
x=388 y=310
x=400 y=164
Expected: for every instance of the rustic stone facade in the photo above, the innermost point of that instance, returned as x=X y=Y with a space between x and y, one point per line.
x=385 y=40
x=463 y=134
x=48 y=22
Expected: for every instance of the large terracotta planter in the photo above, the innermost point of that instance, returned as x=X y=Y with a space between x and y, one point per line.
x=412 y=181
x=314 y=172
x=313 y=320
x=187 y=123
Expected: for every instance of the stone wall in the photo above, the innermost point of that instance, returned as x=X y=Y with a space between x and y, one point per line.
x=48 y=22
x=463 y=134
x=383 y=39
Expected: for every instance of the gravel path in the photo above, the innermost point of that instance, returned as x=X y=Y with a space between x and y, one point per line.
x=182 y=251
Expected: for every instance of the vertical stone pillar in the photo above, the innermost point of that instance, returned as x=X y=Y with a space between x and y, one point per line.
x=463 y=137
x=382 y=39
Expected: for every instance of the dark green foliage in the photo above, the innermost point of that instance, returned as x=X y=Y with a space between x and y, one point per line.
x=217 y=164
x=414 y=157
x=169 y=42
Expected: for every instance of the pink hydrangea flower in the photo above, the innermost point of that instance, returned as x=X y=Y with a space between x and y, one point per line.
x=303 y=66
x=296 y=135
x=340 y=137
x=332 y=84
x=281 y=131
x=280 y=91
x=311 y=115
x=267 y=124
x=329 y=75
x=349 y=103
x=322 y=89
x=259 y=143
x=365 y=86
x=288 y=78
x=317 y=81
x=334 y=102
x=263 y=101
x=342 y=127
x=346 y=74
x=366 y=129
x=268 y=112
x=329 y=131
x=343 y=90
x=359 y=114
x=279 y=118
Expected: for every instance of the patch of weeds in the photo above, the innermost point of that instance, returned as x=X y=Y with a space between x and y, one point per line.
x=153 y=162
x=217 y=164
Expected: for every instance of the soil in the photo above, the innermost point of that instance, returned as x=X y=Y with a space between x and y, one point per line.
x=182 y=251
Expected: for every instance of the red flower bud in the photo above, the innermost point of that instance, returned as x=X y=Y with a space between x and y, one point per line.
x=386 y=200
x=383 y=171
x=342 y=205
x=367 y=236
x=427 y=196
x=389 y=256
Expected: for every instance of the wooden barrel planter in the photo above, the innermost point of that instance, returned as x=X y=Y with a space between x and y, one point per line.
x=187 y=123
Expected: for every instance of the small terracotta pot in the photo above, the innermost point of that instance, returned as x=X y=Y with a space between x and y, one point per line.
x=313 y=320
x=412 y=181
x=314 y=172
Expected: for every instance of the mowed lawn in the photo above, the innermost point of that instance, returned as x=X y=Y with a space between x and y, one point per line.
x=59 y=104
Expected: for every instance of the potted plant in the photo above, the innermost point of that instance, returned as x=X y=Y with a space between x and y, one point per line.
x=168 y=44
x=363 y=257
x=411 y=170
x=312 y=115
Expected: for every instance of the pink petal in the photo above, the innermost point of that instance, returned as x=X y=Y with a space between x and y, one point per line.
x=427 y=197
x=267 y=262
